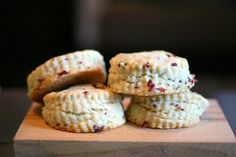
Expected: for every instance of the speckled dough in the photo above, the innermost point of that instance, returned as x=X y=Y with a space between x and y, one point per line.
x=167 y=111
x=84 y=108
x=149 y=74
x=60 y=72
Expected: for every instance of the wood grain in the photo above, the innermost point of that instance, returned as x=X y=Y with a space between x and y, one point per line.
x=211 y=137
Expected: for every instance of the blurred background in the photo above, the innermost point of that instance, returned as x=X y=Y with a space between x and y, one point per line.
x=202 y=31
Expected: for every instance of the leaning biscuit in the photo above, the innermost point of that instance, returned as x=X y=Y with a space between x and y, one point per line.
x=149 y=74
x=167 y=111
x=60 y=72
x=84 y=108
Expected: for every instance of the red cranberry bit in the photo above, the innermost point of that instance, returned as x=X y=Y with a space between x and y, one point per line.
x=151 y=85
x=145 y=124
x=147 y=65
x=97 y=128
x=174 y=64
x=194 y=81
x=62 y=73
x=162 y=90
x=85 y=92
x=40 y=80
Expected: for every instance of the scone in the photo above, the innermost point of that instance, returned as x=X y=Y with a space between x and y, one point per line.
x=84 y=108
x=60 y=72
x=149 y=73
x=167 y=111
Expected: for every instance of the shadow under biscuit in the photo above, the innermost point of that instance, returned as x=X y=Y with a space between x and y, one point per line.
x=37 y=109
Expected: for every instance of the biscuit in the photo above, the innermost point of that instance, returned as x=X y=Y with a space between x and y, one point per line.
x=84 y=108
x=60 y=72
x=149 y=73
x=167 y=111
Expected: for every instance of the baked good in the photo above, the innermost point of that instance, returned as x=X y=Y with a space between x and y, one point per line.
x=149 y=73
x=84 y=108
x=167 y=111
x=62 y=71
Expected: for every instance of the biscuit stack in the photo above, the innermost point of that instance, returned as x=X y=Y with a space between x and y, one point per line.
x=159 y=84
x=74 y=98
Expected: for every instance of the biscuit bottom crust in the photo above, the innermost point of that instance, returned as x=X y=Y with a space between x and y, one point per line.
x=92 y=76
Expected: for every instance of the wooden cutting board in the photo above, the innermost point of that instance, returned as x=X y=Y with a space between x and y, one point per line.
x=211 y=137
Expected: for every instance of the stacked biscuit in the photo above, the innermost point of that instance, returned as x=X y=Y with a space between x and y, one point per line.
x=159 y=84
x=75 y=100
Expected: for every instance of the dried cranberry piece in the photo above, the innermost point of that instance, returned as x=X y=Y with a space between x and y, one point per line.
x=62 y=73
x=147 y=65
x=161 y=89
x=149 y=82
x=174 y=64
x=85 y=92
x=40 y=80
x=151 y=85
x=194 y=81
x=97 y=128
